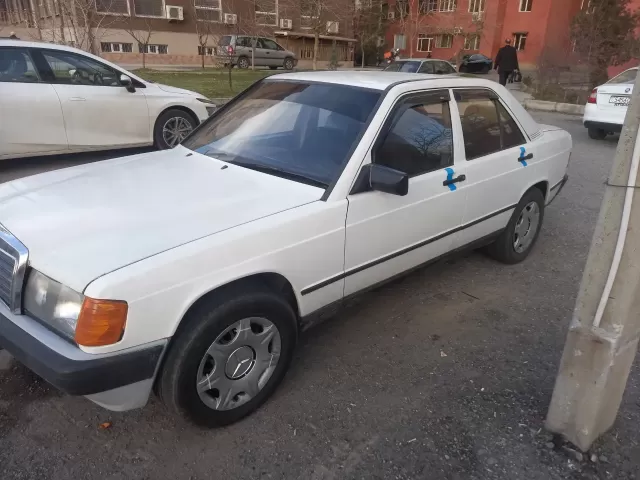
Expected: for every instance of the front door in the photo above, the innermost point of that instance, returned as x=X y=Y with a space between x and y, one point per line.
x=389 y=234
x=500 y=163
x=98 y=111
x=31 y=116
x=268 y=52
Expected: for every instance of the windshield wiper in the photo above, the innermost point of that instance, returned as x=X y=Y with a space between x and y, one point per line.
x=278 y=172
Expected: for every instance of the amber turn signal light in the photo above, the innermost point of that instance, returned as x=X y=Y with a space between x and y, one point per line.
x=101 y=322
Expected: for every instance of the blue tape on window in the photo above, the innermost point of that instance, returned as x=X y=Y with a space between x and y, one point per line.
x=450 y=174
x=523 y=152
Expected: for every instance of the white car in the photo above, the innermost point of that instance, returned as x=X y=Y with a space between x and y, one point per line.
x=56 y=99
x=607 y=105
x=194 y=269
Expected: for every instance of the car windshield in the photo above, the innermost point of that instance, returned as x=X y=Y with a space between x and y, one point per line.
x=296 y=130
x=407 y=67
x=625 y=77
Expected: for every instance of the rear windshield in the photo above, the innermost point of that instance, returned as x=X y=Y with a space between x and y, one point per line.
x=408 y=67
x=625 y=77
x=296 y=130
x=225 y=41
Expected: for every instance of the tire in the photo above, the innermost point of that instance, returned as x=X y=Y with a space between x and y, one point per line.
x=184 y=124
x=273 y=68
x=186 y=363
x=243 y=63
x=505 y=248
x=597 y=133
x=288 y=64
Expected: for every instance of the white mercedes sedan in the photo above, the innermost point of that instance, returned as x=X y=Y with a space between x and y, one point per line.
x=190 y=271
x=56 y=99
x=607 y=105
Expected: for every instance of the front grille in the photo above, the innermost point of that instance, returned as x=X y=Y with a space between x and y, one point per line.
x=13 y=266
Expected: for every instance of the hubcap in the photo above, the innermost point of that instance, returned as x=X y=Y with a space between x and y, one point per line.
x=526 y=227
x=175 y=130
x=239 y=363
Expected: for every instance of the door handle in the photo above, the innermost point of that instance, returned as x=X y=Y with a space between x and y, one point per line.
x=459 y=178
x=527 y=157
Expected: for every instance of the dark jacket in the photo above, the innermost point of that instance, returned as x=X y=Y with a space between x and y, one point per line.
x=507 y=59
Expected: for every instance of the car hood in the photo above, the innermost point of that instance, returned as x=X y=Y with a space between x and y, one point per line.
x=177 y=91
x=82 y=222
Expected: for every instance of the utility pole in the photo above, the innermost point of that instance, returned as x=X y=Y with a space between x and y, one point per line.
x=603 y=337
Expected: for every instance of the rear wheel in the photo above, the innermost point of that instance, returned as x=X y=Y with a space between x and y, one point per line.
x=229 y=357
x=243 y=63
x=172 y=127
x=597 y=133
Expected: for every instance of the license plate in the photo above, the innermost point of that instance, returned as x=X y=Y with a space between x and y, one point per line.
x=620 y=101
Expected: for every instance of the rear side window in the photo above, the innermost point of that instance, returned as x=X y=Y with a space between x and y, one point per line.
x=16 y=66
x=427 y=67
x=487 y=127
x=225 y=41
x=625 y=77
x=420 y=139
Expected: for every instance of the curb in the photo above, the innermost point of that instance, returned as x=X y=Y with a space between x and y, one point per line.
x=566 y=108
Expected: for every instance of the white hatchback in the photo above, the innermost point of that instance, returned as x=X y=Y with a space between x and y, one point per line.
x=607 y=105
x=57 y=99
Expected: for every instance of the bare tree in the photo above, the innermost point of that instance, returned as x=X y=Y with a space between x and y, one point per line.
x=324 y=17
x=370 y=22
x=141 y=35
x=203 y=18
x=85 y=24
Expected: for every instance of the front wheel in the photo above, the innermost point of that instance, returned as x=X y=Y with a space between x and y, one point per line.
x=230 y=356
x=288 y=64
x=517 y=240
x=172 y=127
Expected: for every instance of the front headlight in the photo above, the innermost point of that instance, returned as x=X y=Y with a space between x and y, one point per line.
x=52 y=303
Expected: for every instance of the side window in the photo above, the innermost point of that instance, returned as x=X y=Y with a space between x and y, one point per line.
x=269 y=44
x=420 y=139
x=427 y=67
x=72 y=69
x=486 y=125
x=16 y=66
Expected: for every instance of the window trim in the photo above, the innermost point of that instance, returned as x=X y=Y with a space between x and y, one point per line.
x=27 y=51
x=425 y=36
x=442 y=36
x=492 y=95
x=477 y=6
x=162 y=15
x=516 y=44
x=115 y=14
x=273 y=14
x=447 y=6
x=411 y=98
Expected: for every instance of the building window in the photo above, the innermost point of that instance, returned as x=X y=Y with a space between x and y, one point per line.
x=402 y=7
x=110 y=47
x=267 y=12
x=108 y=7
x=428 y=6
x=587 y=6
x=477 y=6
x=154 y=49
x=519 y=41
x=444 y=41
x=472 y=42
x=208 y=10
x=525 y=5
x=399 y=41
x=448 y=5
x=425 y=43
x=148 y=8
x=309 y=14
x=205 y=50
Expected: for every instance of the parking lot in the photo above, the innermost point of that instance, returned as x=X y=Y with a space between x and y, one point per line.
x=446 y=373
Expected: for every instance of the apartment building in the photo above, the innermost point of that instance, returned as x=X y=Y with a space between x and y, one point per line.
x=450 y=28
x=180 y=30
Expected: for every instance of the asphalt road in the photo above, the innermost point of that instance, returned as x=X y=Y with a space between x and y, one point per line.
x=446 y=373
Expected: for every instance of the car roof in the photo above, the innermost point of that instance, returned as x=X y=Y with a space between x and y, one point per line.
x=381 y=80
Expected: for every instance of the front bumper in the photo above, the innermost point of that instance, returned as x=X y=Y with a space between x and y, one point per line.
x=67 y=367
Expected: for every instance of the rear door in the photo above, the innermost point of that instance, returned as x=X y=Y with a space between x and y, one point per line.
x=31 y=119
x=500 y=163
x=98 y=111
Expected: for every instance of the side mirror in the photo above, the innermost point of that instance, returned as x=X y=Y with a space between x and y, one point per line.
x=125 y=81
x=388 y=180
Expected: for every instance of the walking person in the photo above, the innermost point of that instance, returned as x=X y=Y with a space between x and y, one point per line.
x=506 y=61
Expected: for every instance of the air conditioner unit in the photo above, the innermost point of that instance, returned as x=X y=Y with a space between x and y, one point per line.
x=174 y=13
x=230 y=18
x=286 y=23
x=457 y=30
x=391 y=15
x=333 y=27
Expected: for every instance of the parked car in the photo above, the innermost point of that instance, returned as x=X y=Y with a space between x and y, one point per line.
x=607 y=105
x=421 y=65
x=190 y=271
x=236 y=50
x=476 y=63
x=56 y=99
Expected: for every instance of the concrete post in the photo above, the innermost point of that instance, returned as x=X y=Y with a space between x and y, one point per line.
x=598 y=355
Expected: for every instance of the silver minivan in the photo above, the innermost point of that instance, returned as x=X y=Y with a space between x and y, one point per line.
x=236 y=49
